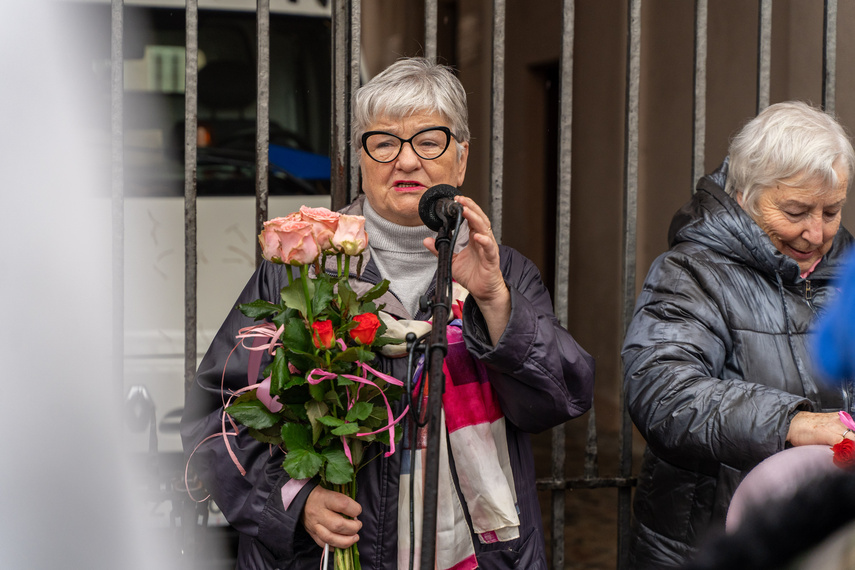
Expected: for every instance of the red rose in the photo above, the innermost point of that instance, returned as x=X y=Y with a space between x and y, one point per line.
x=366 y=330
x=323 y=335
x=844 y=454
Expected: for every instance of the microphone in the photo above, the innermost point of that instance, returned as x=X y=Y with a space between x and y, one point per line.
x=437 y=206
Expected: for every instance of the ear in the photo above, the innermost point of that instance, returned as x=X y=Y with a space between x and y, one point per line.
x=739 y=199
x=461 y=164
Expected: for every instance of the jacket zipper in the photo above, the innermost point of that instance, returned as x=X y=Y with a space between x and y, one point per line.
x=808 y=292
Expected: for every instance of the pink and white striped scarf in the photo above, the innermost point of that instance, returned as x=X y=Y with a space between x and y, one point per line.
x=476 y=433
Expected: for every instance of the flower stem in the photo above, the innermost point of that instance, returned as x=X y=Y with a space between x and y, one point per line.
x=304 y=277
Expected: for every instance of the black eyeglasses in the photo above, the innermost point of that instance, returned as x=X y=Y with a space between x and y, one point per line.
x=427 y=144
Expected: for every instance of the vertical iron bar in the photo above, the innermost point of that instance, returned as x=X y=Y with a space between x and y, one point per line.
x=191 y=73
x=342 y=28
x=764 y=54
x=562 y=260
x=829 y=56
x=630 y=206
x=431 y=26
x=262 y=116
x=117 y=86
x=497 y=145
x=355 y=59
x=699 y=111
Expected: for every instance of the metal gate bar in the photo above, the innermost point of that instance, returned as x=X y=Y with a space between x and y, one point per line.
x=431 y=29
x=699 y=109
x=497 y=121
x=262 y=120
x=829 y=56
x=191 y=89
x=630 y=207
x=764 y=54
x=346 y=28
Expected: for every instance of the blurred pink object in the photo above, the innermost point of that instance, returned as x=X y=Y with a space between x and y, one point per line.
x=779 y=477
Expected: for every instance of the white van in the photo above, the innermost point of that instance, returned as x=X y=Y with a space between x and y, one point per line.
x=300 y=91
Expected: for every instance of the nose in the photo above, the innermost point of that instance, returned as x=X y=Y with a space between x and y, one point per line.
x=407 y=159
x=812 y=231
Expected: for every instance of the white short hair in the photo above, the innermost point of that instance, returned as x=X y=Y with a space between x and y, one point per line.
x=407 y=87
x=790 y=141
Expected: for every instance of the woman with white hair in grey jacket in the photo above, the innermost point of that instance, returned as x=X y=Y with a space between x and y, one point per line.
x=717 y=366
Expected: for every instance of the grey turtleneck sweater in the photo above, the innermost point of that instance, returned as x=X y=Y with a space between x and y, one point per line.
x=400 y=256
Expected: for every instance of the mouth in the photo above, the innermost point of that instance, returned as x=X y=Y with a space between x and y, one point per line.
x=801 y=255
x=408 y=186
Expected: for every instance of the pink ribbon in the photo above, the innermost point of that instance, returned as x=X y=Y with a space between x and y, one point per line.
x=264 y=330
x=317 y=376
x=846 y=419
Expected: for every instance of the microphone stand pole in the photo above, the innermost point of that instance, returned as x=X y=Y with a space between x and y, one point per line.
x=436 y=351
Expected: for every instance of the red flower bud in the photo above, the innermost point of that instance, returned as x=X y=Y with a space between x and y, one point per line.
x=365 y=332
x=844 y=454
x=323 y=335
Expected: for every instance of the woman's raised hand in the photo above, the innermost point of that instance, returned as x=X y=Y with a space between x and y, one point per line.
x=476 y=267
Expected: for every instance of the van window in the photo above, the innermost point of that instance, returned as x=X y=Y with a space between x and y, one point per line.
x=154 y=99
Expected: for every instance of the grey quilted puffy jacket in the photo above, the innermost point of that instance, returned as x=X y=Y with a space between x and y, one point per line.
x=716 y=363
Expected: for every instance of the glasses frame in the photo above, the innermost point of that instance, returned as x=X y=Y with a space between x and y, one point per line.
x=446 y=130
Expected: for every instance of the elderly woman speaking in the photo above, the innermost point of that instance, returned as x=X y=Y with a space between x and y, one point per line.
x=717 y=370
x=411 y=132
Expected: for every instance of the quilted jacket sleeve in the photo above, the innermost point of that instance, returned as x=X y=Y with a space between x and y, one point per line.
x=690 y=411
x=252 y=503
x=540 y=373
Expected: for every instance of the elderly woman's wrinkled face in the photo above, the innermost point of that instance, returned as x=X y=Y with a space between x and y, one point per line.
x=394 y=188
x=801 y=222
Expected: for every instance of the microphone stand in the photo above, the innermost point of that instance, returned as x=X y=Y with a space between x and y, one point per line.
x=436 y=351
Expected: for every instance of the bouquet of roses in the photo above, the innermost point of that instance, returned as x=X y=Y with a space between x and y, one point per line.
x=321 y=401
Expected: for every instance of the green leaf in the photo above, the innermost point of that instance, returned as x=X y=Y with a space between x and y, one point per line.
x=298 y=410
x=331 y=421
x=294 y=297
x=259 y=309
x=317 y=391
x=285 y=316
x=297 y=338
x=349 y=304
x=346 y=429
x=324 y=294
x=278 y=371
x=338 y=469
x=384 y=340
x=356 y=450
x=315 y=411
x=253 y=414
x=375 y=292
x=349 y=355
x=360 y=411
x=296 y=436
x=364 y=355
x=271 y=435
x=303 y=463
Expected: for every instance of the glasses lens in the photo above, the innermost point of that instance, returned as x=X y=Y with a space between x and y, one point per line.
x=382 y=147
x=430 y=144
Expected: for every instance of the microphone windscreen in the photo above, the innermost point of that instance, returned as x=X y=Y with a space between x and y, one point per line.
x=427 y=204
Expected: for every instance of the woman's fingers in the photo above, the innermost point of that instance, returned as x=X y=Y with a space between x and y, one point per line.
x=329 y=518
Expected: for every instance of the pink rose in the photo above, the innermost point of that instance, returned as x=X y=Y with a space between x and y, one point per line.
x=350 y=237
x=324 y=223
x=288 y=240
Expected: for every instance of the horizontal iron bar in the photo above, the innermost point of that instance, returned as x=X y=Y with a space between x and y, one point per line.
x=583 y=483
